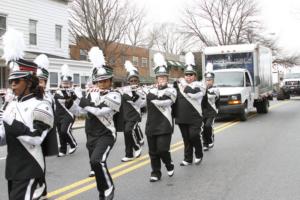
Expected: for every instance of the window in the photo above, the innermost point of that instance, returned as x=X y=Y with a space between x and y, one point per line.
x=2 y=24
x=83 y=54
x=144 y=62
x=84 y=81
x=32 y=32
x=76 y=79
x=58 y=33
x=135 y=61
x=53 y=79
x=248 y=82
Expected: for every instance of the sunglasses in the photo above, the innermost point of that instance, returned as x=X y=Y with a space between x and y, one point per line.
x=189 y=74
x=16 y=81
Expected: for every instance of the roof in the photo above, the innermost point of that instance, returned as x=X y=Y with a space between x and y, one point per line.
x=230 y=49
x=172 y=63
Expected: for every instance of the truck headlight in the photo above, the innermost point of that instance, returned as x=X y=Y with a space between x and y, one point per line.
x=234 y=99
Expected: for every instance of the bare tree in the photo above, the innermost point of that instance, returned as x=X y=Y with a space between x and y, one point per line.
x=135 y=33
x=168 y=38
x=101 y=23
x=220 y=22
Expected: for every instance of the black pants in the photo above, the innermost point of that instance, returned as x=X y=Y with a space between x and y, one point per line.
x=25 y=189
x=131 y=140
x=64 y=129
x=99 y=152
x=208 y=135
x=159 y=149
x=191 y=135
x=139 y=134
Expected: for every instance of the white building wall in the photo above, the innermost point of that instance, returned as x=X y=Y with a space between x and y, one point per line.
x=47 y=13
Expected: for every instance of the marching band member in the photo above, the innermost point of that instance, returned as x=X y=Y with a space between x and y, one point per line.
x=188 y=112
x=159 y=125
x=25 y=123
x=101 y=106
x=210 y=110
x=133 y=99
x=64 y=119
x=49 y=146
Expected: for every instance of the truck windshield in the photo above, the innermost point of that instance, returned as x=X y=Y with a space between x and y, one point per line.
x=292 y=75
x=231 y=61
x=229 y=79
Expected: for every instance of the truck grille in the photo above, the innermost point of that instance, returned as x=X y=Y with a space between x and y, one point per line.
x=224 y=100
x=292 y=83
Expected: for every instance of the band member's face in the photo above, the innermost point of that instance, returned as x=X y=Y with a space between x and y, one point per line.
x=162 y=80
x=42 y=83
x=209 y=82
x=19 y=86
x=104 y=84
x=66 y=84
x=134 y=81
x=189 y=78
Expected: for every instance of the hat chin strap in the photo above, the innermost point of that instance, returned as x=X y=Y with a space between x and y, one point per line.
x=23 y=93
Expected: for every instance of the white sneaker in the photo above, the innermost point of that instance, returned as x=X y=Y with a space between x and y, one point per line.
x=211 y=145
x=92 y=173
x=184 y=163
x=171 y=173
x=137 y=153
x=126 y=159
x=205 y=148
x=197 y=161
x=60 y=154
x=72 y=150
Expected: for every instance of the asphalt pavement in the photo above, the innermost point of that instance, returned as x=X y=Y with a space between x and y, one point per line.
x=256 y=159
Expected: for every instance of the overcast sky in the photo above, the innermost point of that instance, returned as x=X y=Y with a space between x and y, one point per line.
x=282 y=17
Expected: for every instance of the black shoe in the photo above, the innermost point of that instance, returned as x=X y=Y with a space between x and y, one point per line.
x=185 y=163
x=211 y=145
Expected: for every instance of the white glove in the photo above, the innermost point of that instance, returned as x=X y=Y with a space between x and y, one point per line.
x=78 y=92
x=1 y=117
x=9 y=96
x=183 y=82
x=8 y=117
x=127 y=89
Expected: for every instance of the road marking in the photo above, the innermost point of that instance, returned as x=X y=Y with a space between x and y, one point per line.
x=175 y=147
x=114 y=169
x=125 y=171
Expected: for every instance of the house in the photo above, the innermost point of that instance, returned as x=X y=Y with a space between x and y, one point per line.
x=42 y=34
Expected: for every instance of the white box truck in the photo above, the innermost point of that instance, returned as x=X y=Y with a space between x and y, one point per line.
x=243 y=74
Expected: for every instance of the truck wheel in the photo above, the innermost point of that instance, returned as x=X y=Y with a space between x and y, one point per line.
x=287 y=96
x=280 y=95
x=263 y=107
x=244 y=113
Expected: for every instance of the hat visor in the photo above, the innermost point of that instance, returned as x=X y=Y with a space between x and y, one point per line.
x=17 y=75
x=101 y=78
x=190 y=72
x=161 y=74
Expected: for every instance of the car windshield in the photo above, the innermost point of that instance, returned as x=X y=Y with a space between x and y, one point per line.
x=229 y=79
x=292 y=75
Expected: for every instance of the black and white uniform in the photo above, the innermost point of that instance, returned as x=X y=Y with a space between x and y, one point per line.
x=210 y=111
x=64 y=119
x=133 y=101
x=159 y=127
x=26 y=123
x=101 y=134
x=188 y=116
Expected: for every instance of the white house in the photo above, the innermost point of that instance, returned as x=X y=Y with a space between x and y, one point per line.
x=44 y=24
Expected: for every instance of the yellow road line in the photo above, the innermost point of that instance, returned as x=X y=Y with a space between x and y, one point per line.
x=78 y=183
x=114 y=169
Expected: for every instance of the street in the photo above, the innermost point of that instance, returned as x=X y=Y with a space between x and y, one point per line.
x=256 y=159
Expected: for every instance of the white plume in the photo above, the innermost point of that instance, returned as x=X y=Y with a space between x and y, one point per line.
x=129 y=66
x=209 y=67
x=65 y=71
x=159 y=60
x=189 y=58
x=14 y=45
x=42 y=61
x=96 y=57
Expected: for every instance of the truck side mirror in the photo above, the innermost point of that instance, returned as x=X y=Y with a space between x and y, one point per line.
x=257 y=80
